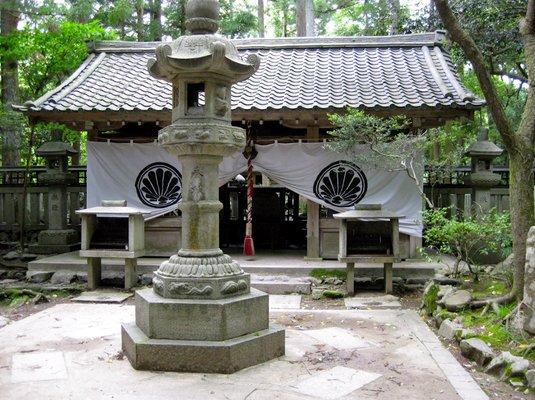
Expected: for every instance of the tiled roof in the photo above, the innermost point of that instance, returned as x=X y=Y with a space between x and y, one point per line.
x=405 y=71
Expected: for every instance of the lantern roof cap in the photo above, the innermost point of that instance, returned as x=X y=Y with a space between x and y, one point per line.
x=483 y=147
x=55 y=149
x=203 y=52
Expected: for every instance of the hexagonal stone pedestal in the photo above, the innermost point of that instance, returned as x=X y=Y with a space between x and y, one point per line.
x=223 y=357
x=220 y=336
x=184 y=319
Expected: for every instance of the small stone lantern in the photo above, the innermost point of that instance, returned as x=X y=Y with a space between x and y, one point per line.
x=482 y=179
x=57 y=238
x=201 y=315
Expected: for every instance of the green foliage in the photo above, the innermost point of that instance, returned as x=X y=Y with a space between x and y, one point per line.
x=491 y=328
x=386 y=138
x=49 y=54
x=283 y=17
x=333 y=294
x=238 y=19
x=467 y=239
x=430 y=298
x=373 y=17
x=322 y=273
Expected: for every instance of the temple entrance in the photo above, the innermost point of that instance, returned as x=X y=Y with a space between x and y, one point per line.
x=279 y=223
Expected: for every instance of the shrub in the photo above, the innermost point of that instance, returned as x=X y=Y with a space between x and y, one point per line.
x=468 y=239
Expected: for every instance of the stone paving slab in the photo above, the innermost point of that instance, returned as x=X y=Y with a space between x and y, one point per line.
x=40 y=366
x=284 y=302
x=372 y=302
x=339 y=338
x=102 y=296
x=335 y=382
x=83 y=339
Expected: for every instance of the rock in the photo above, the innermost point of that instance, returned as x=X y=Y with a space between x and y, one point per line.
x=63 y=277
x=5 y=281
x=450 y=329
x=4 y=321
x=466 y=334
x=3 y=273
x=476 y=350
x=146 y=279
x=317 y=294
x=445 y=280
x=457 y=300
x=507 y=365
x=530 y=378
x=16 y=274
x=28 y=257
x=12 y=255
x=332 y=280
x=38 y=276
x=444 y=290
x=314 y=281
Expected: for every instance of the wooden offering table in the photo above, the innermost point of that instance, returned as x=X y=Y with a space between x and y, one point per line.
x=385 y=248
x=112 y=231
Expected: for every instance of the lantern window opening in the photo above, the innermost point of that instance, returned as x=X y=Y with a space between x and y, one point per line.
x=195 y=97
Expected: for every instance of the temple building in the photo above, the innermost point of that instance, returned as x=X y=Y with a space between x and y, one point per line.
x=285 y=108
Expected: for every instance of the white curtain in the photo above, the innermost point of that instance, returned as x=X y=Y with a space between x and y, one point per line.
x=128 y=171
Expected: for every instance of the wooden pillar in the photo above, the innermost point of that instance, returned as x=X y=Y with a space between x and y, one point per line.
x=313 y=213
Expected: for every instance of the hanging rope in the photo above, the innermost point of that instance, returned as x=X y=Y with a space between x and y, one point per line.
x=248 y=244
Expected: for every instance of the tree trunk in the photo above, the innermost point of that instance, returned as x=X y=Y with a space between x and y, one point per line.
x=394 y=10
x=521 y=205
x=309 y=11
x=261 y=23
x=301 y=17
x=140 y=11
x=528 y=307
x=9 y=18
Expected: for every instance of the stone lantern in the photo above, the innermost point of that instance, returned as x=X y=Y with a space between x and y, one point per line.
x=482 y=179
x=57 y=238
x=202 y=315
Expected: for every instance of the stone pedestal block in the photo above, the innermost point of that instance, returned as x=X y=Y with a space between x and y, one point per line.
x=53 y=241
x=184 y=319
x=224 y=357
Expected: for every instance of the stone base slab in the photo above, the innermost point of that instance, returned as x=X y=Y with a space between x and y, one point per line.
x=53 y=248
x=224 y=357
x=181 y=319
x=58 y=237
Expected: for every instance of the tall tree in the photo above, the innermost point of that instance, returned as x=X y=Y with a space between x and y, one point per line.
x=9 y=19
x=261 y=23
x=520 y=144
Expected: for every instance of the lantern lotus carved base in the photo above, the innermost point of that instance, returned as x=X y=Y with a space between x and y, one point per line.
x=214 y=277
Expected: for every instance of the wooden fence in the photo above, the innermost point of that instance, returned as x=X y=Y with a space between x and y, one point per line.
x=12 y=202
x=447 y=188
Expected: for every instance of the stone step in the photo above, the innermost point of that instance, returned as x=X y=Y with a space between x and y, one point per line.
x=283 y=285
